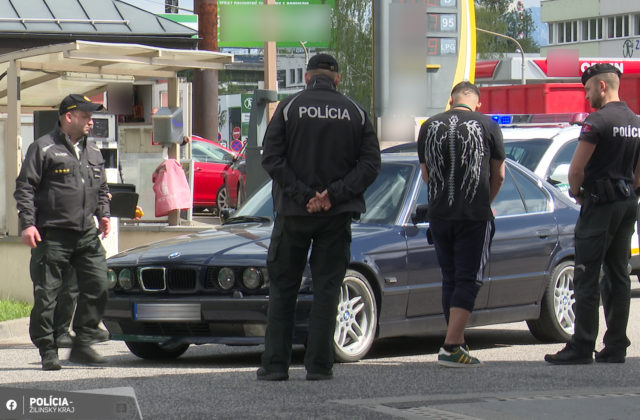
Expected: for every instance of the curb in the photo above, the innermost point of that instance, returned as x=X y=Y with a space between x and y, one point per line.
x=14 y=328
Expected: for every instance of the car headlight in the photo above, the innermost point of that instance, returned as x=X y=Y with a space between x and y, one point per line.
x=112 y=279
x=125 y=279
x=226 y=278
x=252 y=278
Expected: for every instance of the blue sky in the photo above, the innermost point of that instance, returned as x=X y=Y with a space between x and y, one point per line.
x=531 y=3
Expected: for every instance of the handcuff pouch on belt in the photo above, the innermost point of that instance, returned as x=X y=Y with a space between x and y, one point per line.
x=606 y=191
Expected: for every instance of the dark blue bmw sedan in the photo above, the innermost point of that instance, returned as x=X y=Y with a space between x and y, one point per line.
x=212 y=286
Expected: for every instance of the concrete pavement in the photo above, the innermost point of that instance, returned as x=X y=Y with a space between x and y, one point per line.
x=399 y=379
x=14 y=328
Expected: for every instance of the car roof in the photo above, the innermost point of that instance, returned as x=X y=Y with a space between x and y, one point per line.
x=555 y=133
x=400 y=157
x=412 y=157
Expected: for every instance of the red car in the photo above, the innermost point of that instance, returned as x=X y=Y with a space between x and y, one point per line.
x=232 y=193
x=218 y=178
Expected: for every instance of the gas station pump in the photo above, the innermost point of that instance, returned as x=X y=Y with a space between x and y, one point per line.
x=105 y=135
x=256 y=176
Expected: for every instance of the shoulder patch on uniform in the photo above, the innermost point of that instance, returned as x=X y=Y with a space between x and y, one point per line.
x=586 y=127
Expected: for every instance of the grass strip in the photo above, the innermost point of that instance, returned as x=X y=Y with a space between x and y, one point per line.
x=11 y=309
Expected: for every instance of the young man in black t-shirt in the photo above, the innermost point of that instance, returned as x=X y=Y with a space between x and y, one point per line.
x=603 y=176
x=462 y=160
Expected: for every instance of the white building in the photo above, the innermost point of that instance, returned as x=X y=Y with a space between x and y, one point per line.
x=596 y=28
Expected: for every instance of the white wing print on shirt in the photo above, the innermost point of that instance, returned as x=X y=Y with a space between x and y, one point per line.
x=469 y=136
x=434 y=158
x=471 y=158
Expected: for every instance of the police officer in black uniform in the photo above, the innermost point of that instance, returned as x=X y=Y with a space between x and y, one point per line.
x=60 y=189
x=322 y=152
x=603 y=175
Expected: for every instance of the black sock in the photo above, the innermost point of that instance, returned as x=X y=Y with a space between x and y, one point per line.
x=451 y=348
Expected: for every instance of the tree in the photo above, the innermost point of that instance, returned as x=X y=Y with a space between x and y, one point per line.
x=351 y=42
x=505 y=17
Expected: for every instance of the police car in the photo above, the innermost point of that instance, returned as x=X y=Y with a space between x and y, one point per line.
x=544 y=144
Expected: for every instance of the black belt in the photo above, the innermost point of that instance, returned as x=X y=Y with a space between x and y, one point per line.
x=608 y=190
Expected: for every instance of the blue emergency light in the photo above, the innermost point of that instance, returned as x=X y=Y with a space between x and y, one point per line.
x=540 y=119
x=502 y=119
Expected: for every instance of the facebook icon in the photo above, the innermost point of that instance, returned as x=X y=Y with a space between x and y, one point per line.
x=12 y=405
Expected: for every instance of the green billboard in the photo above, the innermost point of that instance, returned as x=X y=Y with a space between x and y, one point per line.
x=250 y=23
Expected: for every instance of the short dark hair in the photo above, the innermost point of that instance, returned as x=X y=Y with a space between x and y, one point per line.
x=465 y=87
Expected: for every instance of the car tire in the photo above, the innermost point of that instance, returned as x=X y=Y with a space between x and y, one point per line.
x=222 y=198
x=357 y=318
x=557 y=316
x=156 y=351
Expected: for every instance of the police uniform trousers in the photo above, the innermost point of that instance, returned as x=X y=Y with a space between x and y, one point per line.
x=66 y=303
x=603 y=237
x=51 y=260
x=329 y=238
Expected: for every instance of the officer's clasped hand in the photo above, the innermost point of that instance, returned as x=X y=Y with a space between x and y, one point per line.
x=320 y=202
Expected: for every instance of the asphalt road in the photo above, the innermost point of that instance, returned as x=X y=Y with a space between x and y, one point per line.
x=399 y=379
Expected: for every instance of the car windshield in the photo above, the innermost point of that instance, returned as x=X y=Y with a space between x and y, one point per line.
x=527 y=152
x=208 y=153
x=383 y=198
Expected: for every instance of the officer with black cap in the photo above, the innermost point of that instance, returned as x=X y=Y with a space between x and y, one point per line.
x=60 y=191
x=322 y=152
x=603 y=177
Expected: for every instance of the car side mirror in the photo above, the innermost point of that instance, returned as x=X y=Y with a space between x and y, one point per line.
x=553 y=181
x=420 y=215
x=225 y=214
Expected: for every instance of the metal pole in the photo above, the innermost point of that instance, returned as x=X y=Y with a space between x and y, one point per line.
x=523 y=79
x=205 y=82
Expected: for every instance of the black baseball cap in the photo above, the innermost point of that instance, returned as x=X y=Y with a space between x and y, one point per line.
x=81 y=102
x=599 y=69
x=323 y=61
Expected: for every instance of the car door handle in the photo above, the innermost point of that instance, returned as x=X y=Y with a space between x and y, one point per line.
x=544 y=233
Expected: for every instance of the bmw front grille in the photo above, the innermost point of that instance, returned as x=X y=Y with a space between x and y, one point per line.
x=158 y=279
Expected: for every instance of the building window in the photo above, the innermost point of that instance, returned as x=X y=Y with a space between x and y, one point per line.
x=636 y=25
x=282 y=78
x=591 y=29
x=299 y=75
x=567 y=32
x=292 y=75
x=551 y=40
x=618 y=26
